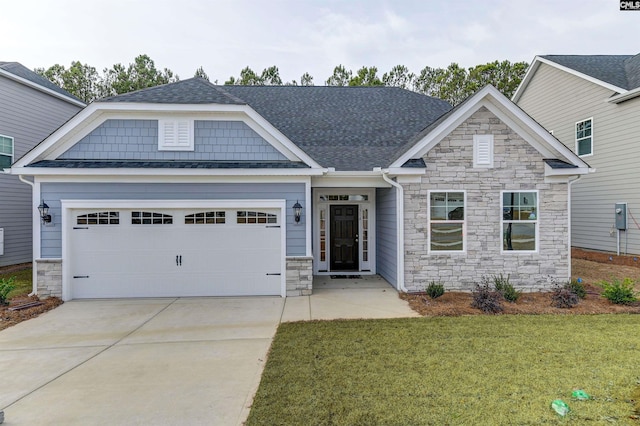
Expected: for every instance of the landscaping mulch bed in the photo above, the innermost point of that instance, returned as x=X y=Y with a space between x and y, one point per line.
x=9 y=317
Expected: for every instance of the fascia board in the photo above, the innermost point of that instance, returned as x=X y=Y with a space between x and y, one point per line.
x=40 y=88
x=405 y=171
x=525 y=80
x=624 y=96
x=549 y=171
x=46 y=171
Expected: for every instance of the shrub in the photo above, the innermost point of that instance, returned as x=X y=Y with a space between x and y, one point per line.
x=564 y=297
x=619 y=292
x=6 y=285
x=435 y=289
x=505 y=288
x=577 y=288
x=486 y=298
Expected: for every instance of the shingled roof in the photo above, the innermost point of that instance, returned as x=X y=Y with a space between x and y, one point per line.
x=619 y=70
x=21 y=71
x=348 y=128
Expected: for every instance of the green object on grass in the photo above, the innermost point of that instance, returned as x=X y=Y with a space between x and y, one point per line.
x=560 y=407
x=580 y=394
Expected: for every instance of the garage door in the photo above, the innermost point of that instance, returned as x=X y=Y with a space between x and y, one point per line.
x=175 y=252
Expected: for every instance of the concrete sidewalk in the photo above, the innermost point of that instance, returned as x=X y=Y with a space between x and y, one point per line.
x=160 y=361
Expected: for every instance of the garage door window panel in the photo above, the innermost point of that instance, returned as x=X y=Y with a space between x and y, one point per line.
x=248 y=217
x=150 y=218
x=205 y=218
x=99 y=218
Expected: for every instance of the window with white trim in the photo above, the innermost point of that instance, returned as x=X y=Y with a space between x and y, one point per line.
x=519 y=221
x=446 y=221
x=99 y=218
x=584 y=137
x=205 y=218
x=483 y=151
x=256 y=217
x=175 y=135
x=6 y=151
x=150 y=218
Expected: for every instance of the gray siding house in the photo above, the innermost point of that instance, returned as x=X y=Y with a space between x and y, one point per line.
x=591 y=103
x=31 y=108
x=192 y=189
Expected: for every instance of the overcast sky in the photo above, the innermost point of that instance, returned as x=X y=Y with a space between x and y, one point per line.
x=309 y=35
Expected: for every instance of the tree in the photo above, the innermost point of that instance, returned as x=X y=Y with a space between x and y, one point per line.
x=340 y=77
x=306 y=79
x=200 y=73
x=140 y=74
x=366 y=76
x=399 y=76
x=81 y=80
x=505 y=76
x=271 y=76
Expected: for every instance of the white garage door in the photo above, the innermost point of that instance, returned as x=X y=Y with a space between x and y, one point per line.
x=175 y=252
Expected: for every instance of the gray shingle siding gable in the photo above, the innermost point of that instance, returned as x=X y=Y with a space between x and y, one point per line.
x=138 y=140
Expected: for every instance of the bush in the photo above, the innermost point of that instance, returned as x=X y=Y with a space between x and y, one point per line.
x=435 y=289
x=486 y=298
x=619 y=292
x=6 y=285
x=564 y=297
x=505 y=288
x=577 y=288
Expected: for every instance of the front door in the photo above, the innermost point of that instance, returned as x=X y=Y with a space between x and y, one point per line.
x=344 y=238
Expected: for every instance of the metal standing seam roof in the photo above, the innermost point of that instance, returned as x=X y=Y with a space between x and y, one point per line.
x=21 y=71
x=619 y=70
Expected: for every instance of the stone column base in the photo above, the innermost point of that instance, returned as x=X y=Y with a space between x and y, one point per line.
x=49 y=277
x=299 y=276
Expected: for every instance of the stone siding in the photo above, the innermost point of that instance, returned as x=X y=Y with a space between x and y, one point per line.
x=299 y=276
x=49 y=277
x=517 y=167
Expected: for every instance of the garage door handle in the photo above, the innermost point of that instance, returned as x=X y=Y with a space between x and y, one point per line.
x=274 y=274
x=273 y=226
x=81 y=276
x=80 y=227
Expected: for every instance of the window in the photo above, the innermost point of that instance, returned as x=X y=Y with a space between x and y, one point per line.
x=584 y=137
x=483 y=151
x=99 y=218
x=256 y=217
x=323 y=235
x=175 y=135
x=447 y=221
x=519 y=221
x=6 y=151
x=204 y=218
x=365 y=235
x=344 y=197
x=150 y=218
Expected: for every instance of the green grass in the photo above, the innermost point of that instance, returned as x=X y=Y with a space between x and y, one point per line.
x=477 y=370
x=23 y=282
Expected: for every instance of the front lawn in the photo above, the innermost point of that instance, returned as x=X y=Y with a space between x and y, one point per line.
x=23 y=281
x=472 y=370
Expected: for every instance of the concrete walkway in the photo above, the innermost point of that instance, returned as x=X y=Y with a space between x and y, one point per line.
x=160 y=361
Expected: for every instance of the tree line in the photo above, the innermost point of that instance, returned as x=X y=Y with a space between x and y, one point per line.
x=453 y=83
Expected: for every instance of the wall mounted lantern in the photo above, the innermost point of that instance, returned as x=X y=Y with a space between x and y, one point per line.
x=297 y=211
x=43 y=208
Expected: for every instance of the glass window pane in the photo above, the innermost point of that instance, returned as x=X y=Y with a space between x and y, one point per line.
x=5 y=161
x=519 y=236
x=446 y=236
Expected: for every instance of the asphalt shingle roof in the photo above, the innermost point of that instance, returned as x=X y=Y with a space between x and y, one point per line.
x=20 y=70
x=348 y=128
x=620 y=70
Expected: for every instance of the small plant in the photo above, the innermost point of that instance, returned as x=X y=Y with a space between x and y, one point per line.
x=577 y=288
x=619 y=292
x=564 y=297
x=6 y=285
x=486 y=298
x=505 y=288
x=435 y=289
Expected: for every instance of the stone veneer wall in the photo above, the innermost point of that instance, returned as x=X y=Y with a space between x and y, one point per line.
x=517 y=167
x=49 y=277
x=299 y=276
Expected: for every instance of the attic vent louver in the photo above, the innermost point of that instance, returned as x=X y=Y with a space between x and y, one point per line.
x=483 y=151
x=175 y=135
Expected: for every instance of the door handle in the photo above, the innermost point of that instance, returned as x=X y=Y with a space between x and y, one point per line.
x=180 y=260
x=177 y=264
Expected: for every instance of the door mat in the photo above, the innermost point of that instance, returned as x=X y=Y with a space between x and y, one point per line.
x=345 y=277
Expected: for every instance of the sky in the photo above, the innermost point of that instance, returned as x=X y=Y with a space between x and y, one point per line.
x=313 y=36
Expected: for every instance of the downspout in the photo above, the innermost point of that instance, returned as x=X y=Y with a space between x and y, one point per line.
x=34 y=272
x=399 y=228
x=570 y=183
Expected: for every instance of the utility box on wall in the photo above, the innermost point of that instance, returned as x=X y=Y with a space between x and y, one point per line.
x=621 y=216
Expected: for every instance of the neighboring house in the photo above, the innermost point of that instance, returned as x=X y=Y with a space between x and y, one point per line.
x=191 y=189
x=31 y=108
x=591 y=103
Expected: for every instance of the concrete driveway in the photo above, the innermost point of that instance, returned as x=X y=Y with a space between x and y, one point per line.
x=156 y=361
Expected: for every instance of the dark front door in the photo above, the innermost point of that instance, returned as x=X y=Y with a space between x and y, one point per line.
x=344 y=238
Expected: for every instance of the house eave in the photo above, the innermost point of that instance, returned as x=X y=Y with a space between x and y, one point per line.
x=40 y=171
x=42 y=89
x=622 y=97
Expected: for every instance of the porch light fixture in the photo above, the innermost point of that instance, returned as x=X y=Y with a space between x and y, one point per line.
x=43 y=208
x=297 y=211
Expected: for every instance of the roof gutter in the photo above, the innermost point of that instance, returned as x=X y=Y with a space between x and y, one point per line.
x=399 y=228
x=625 y=96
